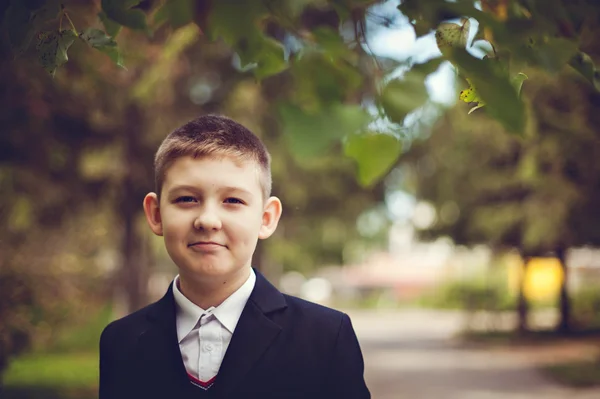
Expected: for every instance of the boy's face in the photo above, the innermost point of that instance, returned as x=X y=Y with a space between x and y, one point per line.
x=211 y=214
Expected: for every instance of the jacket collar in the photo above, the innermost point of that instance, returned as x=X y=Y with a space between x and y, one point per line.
x=264 y=296
x=253 y=334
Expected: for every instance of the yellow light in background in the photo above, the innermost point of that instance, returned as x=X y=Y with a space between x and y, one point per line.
x=542 y=280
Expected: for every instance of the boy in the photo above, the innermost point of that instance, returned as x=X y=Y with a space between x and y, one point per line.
x=222 y=330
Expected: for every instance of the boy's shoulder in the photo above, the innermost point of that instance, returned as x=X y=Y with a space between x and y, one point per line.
x=306 y=314
x=131 y=325
x=311 y=309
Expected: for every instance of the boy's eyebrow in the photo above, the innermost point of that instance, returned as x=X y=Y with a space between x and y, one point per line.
x=195 y=189
x=231 y=188
x=181 y=187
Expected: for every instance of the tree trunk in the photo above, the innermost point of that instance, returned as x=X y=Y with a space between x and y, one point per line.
x=522 y=305
x=564 y=326
x=134 y=281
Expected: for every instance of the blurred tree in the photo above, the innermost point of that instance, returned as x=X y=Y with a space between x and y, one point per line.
x=535 y=194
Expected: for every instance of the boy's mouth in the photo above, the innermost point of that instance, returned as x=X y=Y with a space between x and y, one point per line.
x=205 y=245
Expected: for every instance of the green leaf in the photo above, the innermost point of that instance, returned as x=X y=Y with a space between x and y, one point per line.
x=269 y=59
x=427 y=67
x=20 y=30
x=517 y=82
x=320 y=80
x=127 y=4
x=374 y=153
x=311 y=134
x=112 y=28
x=449 y=36
x=121 y=12
x=470 y=95
x=235 y=21
x=161 y=16
x=479 y=105
x=421 y=18
x=261 y=54
x=583 y=64
x=177 y=12
x=421 y=28
x=494 y=89
x=52 y=48
x=402 y=96
x=103 y=43
x=23 y=19
x=554 y=53
x=331 y=41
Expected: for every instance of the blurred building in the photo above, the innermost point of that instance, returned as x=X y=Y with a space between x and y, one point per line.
x=410 y=267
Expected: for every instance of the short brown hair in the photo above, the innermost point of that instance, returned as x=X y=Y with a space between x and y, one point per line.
x=217 y=136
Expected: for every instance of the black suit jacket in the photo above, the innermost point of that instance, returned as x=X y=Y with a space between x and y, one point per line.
x=283 y=347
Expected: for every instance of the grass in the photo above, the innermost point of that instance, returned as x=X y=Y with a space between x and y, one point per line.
x=66 y=368
x=47 y=393
x=72 y=370
x=84 y=337
x=52 y=376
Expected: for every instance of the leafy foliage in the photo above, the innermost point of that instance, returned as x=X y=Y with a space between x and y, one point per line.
x=374 y=153
x=449 y=36
x=24 y=19
x=583 y=63
x=111 y=27
x=313 y=41
x=402 y=96
x=313 y=133
x=99 y=40
x=123 y=12
x=244 y=36
x=178 y=12
x=52 y=48
x=530 y=193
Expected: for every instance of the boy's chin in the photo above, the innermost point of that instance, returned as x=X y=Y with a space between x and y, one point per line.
x=210 y=272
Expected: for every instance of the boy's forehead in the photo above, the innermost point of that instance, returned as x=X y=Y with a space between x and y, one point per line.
x=190 y=168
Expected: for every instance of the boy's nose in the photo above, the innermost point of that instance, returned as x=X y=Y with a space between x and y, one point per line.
x=207 y=220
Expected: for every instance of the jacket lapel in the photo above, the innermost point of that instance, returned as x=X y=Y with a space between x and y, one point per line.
x=159 y=346
x=253 y=334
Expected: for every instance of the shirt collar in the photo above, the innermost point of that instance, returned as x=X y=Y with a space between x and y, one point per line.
x=227 y=313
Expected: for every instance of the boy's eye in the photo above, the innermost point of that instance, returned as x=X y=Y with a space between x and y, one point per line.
x=185 y=198
x=232 y=200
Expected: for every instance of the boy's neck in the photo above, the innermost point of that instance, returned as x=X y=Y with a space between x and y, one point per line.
x=211 y=293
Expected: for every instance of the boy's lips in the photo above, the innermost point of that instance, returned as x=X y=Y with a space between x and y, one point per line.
x=205 y=245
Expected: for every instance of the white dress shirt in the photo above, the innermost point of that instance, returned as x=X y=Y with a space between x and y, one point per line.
x=204 y=335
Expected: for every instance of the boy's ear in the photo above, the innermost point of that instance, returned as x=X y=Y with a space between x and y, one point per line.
x=152 y=211
x=271 y=214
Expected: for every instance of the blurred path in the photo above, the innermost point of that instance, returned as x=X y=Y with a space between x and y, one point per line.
x=411 y=354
